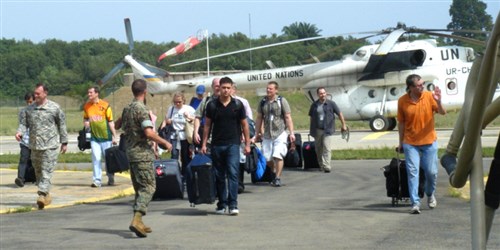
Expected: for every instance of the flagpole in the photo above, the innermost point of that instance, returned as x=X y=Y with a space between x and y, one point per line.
x=208 y=55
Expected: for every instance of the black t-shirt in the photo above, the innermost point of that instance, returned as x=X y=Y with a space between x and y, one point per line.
x=226 y=121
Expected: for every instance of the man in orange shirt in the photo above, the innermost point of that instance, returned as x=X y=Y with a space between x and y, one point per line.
x=417 y=137
x=97 y=116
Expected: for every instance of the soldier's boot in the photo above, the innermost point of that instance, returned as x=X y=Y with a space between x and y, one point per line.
x=43 y=200
x=48 y=199
x=137 y=226
x=147 y=229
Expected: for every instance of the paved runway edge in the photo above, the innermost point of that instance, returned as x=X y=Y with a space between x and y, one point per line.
x=68 y=188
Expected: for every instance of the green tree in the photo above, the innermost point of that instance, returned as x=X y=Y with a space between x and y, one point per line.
x=469 y=15
x=301 y=30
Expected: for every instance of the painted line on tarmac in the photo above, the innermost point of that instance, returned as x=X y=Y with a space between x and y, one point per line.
x=374 y=136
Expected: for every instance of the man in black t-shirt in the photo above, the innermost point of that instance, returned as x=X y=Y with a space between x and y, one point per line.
x=226 y=118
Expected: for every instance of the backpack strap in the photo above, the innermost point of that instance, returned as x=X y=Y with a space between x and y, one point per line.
x=280 y=104
x=171 y=111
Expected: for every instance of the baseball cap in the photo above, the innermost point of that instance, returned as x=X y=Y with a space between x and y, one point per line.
x=200 y=89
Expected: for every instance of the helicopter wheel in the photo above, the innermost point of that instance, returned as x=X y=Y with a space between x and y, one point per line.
x=379 y=123
x=392 y=123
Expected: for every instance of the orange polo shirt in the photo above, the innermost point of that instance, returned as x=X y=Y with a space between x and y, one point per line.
x=99 y=114
x=418 y=119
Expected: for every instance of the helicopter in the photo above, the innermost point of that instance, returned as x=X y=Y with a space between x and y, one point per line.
x=366 y=85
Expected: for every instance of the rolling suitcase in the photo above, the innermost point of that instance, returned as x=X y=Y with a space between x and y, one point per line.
x=293 y=158
x=200 y=180
x=116 y=160
x=168 y=180
x=309 y=154
x=396 y=181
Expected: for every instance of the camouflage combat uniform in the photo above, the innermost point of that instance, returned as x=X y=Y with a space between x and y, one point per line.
x=135 y=118
x=47 y=129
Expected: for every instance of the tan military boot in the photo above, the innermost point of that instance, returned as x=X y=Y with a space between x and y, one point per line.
x=48 y=199
x=137 y=226
x=41 y=201
x=146 y=228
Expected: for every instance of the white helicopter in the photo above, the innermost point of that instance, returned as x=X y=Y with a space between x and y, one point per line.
x=365 y=85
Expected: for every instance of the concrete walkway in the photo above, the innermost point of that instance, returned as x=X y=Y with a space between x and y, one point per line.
x=68 y=188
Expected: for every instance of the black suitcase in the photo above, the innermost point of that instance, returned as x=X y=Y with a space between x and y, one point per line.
x=396 y=181
x=116 y=160
x=200 y=180
x=309 y=154
x=168 y=180
x=293 y=158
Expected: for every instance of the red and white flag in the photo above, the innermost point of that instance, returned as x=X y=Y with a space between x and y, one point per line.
x=181 y=48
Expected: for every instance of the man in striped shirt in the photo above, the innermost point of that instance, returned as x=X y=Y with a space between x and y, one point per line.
x=97 y=116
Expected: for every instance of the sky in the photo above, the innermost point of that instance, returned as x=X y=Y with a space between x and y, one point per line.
x=163 y=21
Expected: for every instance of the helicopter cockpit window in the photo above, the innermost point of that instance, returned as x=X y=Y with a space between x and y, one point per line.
x=470 y=54
x=359 y=54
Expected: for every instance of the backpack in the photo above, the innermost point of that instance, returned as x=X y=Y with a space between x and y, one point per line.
x=251 y=127
x=280 y=104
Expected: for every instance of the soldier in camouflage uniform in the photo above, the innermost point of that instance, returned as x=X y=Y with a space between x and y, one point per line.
x=138 y=129
x=46 y=123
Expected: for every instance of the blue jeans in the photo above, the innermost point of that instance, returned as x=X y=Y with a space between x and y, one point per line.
x=226 y=161
x=98 y=151
x=424 y=156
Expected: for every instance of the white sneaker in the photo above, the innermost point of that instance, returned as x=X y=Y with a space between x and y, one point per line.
x=220 y=210
x=415 y=210
x=431 y=201
x=234 y=211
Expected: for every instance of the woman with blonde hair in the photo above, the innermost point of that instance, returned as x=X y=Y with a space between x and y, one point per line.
x=178 y=115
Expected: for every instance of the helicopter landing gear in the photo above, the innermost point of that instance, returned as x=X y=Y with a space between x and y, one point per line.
x=379 y=123
x=392 y=123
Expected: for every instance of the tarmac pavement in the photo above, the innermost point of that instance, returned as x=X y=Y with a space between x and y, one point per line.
x=345 y=209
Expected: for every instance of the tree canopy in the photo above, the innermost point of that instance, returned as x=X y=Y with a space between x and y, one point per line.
x=469 y=15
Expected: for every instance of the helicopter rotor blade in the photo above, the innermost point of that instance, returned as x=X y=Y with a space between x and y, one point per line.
x=111 y=73
x=460 y=38
x=153 y=69
x=448 y=30
x=342 y=45
x=269 y=46
x=130 y=38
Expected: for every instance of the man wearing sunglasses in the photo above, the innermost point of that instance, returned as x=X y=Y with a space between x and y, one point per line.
x=417 y=137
